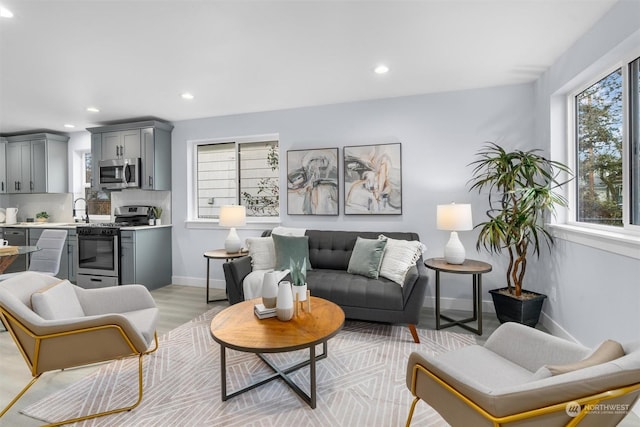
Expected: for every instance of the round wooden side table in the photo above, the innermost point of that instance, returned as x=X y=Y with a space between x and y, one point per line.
x=221 y=254
x=469 y=266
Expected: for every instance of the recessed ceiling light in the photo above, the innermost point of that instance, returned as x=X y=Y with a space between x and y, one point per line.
x=93 y=110
x=381 y=69
x=5 y=13
x=70 y=126
x=187 y=95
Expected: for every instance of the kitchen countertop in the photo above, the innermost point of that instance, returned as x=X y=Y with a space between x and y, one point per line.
x=68 y=225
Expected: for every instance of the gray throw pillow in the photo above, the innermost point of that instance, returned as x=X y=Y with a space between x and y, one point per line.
x=289 y=248
x=366 y=257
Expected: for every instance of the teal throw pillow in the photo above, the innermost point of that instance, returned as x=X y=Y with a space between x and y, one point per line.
x=367 y=257
x=289 y=248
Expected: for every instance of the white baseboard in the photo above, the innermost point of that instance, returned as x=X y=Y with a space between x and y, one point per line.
x=555 y=329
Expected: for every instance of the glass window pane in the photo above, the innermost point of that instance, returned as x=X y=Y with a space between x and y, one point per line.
x=634 y=149
x=97 y=202
x=216 y=184
x=259 y=171
x=599 y=152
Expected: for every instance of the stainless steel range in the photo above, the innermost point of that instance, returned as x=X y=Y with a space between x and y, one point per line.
x=99 y=247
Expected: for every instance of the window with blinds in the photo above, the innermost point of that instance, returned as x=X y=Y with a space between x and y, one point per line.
x=232 y=173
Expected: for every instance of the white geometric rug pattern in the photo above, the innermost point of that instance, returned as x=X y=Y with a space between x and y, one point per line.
x=360 y=383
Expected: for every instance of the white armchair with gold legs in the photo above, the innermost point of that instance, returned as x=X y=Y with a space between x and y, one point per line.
x=525 y=377
x=57 y=325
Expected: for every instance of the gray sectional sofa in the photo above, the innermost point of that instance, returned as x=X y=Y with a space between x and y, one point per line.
x=362 y=298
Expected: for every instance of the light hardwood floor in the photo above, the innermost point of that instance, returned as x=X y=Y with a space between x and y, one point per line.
x=178 y=305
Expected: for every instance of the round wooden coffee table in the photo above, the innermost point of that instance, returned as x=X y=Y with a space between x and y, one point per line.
x=238 y=328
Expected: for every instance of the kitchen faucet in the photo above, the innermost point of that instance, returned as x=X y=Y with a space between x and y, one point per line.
x=86 y=209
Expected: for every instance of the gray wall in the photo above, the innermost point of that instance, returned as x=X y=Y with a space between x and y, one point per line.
x=440 y=134
x=596 y=292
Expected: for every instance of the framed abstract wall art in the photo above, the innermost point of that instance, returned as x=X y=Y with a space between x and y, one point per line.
x=373 y=179
x=312 y=182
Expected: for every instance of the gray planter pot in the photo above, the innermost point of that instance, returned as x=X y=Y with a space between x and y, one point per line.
x=510 y=309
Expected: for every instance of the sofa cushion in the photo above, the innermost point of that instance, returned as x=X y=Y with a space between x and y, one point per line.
x=366 y=257
x=607 y=351
x=399 y=256
x=353 y=290
x=262 y=252
x=289 y=248
x=58 y=301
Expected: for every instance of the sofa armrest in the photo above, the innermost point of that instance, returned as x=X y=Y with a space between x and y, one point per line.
x=234 y=273
x=414 y=290
x=532 y=348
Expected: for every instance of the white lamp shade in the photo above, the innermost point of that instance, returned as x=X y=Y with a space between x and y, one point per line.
x=454 y=217
x=232 y=216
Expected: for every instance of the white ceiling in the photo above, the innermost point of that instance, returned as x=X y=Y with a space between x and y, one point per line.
x=133 y=59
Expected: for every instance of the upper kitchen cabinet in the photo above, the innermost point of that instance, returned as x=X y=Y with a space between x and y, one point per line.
x=124 y=144
x=3 y=165
x=36 y=163
x=150 y=141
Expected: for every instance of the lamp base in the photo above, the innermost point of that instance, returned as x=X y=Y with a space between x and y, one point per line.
x=454 y=252
x=232 y=243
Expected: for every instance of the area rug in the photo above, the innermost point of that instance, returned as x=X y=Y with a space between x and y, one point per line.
x=360 y=383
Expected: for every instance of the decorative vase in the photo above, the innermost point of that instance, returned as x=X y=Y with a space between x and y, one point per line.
x=158 y=221
x=301 y=292
x=284 y=303
x=270 y=289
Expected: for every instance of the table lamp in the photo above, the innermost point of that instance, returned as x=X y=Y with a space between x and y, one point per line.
x=232 y=216
x=454 y=218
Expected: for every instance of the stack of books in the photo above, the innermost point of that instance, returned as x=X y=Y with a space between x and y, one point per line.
x=263 y=312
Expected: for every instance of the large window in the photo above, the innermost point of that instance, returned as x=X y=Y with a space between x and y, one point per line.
x=230 y=173
x=607 y=124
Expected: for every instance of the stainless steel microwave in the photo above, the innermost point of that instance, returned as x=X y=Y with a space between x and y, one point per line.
x=119 y=173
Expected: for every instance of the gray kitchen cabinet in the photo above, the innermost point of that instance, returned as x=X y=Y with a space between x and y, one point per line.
x=17 y=236
x=148 y=140
x=123 y=144
x=37 y=163
x=72 y=254
x=19 y=167
x=3 y=165
x=145 y=257
x=96 y=156
x=156 y=159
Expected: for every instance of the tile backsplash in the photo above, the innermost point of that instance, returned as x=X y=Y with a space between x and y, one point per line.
x=59 y=206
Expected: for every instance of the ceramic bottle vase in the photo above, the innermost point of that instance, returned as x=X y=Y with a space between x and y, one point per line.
x=270 y=289
x=284 y=304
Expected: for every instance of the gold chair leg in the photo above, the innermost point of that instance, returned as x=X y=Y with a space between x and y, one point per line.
x=19 y=395
x=112 y=411
x=413 y=407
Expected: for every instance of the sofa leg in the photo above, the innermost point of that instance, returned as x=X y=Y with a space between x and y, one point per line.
x=414 y=333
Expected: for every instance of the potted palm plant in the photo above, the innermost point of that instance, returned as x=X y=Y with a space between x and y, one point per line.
x=521 y=187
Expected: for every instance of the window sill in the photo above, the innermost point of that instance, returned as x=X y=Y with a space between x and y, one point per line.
x=212 y=224
x=621 y=243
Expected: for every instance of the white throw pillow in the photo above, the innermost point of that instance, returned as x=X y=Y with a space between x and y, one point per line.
x=56 y=302
x=399 y=256
x=262 y=253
